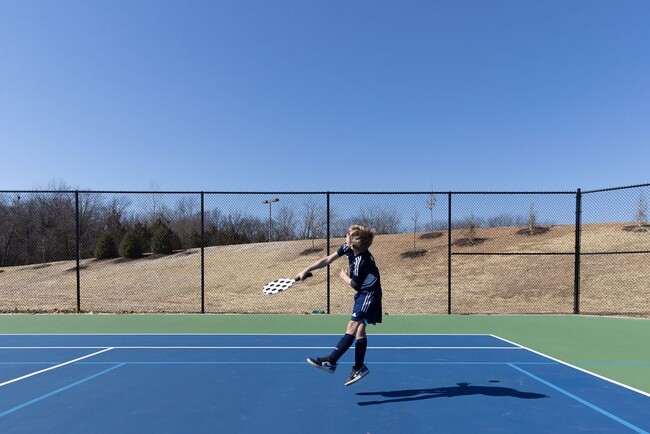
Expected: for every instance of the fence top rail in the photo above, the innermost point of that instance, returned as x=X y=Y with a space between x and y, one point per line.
x=616 y=188
x=295 y=192
x=320 y=192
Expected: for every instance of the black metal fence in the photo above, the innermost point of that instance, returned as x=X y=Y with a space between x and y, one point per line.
x=439 y=252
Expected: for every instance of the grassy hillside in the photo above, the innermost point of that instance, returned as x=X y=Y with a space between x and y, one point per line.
x=414 y=270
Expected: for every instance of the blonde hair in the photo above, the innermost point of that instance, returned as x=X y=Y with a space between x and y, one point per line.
x=361 y=237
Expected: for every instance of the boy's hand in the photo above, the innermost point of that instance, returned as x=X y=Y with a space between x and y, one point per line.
x=346 y=277
x=303 y=275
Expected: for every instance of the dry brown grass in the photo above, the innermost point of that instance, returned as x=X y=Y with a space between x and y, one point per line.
x=610 y=284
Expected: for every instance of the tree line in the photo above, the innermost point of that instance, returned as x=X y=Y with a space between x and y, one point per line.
x=39 y=227
x=42 y=227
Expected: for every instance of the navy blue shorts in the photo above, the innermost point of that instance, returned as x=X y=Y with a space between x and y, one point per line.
x=367 y=307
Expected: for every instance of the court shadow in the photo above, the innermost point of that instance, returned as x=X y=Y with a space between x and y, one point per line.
x=461 y=389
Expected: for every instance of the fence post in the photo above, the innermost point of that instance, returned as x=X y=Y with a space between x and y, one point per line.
x=202 y=253
x=449 y=253
x=78 y=253
x=327 y=206
x=576 y=283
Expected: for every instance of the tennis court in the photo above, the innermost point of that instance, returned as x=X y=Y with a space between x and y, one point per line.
x=245 y=383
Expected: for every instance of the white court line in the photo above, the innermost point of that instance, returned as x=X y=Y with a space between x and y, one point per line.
x=580 y=400
x=54 y=367
x=575 y=367
x=223 y=347
x=238 y=334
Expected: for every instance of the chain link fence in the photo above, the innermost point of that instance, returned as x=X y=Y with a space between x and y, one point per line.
x=615 y=252
x=438 y=252
x=514 y=252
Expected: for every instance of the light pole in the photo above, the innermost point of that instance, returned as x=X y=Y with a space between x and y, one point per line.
x=269 y=202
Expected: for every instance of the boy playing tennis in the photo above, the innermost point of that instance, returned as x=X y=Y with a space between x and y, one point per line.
x=363 y=277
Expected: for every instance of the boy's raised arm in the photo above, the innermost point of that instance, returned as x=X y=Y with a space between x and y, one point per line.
x=321 y=263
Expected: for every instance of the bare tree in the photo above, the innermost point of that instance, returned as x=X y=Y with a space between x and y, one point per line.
x=382 y=221
x=470 y=229
x=186 y=219
x=641 y=211
x=27 y=217
x=414 y=219
x=56 y=237
x=155 y=207
x=285 y=224
x=504 y=220
x=314 y=221
x=531 y=218
x=90 y=222
x=431 y=203
x=9 y=221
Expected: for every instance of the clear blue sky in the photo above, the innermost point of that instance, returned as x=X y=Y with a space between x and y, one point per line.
x=324 y=95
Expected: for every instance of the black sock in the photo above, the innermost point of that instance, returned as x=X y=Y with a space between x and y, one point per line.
x=344 y=344
x=360 y=353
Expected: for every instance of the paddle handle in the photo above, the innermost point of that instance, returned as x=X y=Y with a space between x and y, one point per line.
x=306 y=276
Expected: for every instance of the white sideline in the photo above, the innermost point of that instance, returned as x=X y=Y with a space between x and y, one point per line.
x=54 y=367
x=577 y=368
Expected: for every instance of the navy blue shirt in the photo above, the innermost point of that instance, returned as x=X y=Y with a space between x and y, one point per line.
x=363 y=270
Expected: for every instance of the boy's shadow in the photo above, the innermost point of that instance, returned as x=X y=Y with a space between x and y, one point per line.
x=462 y=389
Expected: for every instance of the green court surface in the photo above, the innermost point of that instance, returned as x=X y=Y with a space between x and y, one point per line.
x=616 y=348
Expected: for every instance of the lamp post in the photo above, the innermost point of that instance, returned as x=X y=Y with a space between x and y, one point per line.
x=269 y=202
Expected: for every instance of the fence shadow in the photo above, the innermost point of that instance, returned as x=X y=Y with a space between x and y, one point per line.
x=461 y=389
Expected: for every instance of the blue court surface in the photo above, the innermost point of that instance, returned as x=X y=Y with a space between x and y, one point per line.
x=213 y=383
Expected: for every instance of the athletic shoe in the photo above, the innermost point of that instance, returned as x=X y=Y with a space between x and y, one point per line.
x=322 y=363
x=357 y=375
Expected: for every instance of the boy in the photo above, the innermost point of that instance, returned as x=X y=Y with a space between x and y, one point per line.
x=363 y=277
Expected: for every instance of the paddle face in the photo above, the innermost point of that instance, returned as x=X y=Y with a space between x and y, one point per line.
x=279 y=285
